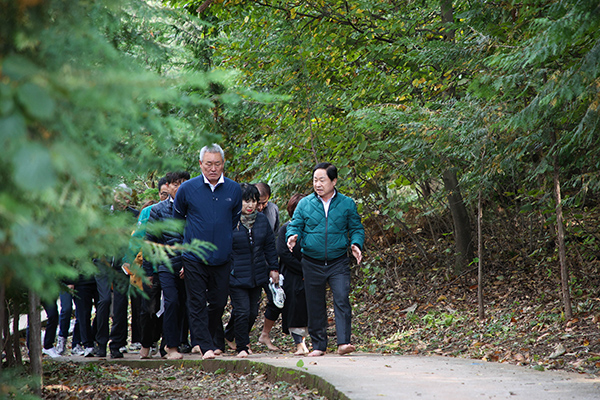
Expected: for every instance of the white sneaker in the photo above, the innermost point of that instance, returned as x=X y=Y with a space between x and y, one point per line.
x=51 y=352
x=123 y=349
x=88 y=352
x=60 y=345
x=135 y=347
x=78 y=350
x=277 y=291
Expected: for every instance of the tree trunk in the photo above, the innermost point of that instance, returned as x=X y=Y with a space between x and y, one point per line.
x=35 y=341
x=3 y=335
x=560 y=238
x=15 y=342
x=447 y=13
x=460 y=217
x=480 y=261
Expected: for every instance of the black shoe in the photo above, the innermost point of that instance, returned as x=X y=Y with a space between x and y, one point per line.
x=99 y=351
x=116 y=354
x=185 y=348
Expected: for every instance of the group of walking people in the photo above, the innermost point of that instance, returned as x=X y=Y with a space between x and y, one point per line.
x=242 y=252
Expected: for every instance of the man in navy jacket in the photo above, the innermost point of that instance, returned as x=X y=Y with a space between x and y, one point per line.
x=211 y=206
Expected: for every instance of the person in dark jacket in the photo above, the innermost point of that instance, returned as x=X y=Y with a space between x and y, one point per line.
x=295 y=319
x=167 y=278
x=327 y=225
x=254 y=261
x=211 y=205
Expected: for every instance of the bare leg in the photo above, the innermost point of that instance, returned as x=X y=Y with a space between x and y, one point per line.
x=242 y=354
x=264 y=335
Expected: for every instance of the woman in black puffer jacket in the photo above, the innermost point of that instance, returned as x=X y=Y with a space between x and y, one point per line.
x=254 y=261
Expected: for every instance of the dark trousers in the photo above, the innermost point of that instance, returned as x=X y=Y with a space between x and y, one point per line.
x=64 y=318
x=244 y=304
x=272 y=312
x=206 y=284
x=85 y=295
x=51 y=324
x=316 y=277
x=120 y=301
x=136 y=314
x=150 y=324
x=173 y=289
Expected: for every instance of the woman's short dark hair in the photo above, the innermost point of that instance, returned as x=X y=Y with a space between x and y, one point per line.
x=293 y=203
x=329 y=168
x=249 y=192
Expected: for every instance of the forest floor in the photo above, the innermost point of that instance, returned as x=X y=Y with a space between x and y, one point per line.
x=403 y=305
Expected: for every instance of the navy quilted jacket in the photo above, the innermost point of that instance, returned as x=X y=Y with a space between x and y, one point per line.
x=161 y=212
x=254 y=254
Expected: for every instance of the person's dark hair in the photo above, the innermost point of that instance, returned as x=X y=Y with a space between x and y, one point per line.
x=182 y=175
x=177 y=176
x=162 y=181
x=329 y=168
x=263 y=189
x=249 y=192
x=293 y=203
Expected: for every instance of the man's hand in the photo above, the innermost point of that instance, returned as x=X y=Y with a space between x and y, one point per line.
x=291 y=242
x=356 y=253
x=274 y=276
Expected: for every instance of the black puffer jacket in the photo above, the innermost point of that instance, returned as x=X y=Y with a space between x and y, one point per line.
x=254 y=254
x=160 y=212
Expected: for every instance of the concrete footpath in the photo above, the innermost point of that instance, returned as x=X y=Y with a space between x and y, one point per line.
x=361 y=376
x=372 y=376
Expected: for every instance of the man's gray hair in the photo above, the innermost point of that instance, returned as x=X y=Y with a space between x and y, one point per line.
x=213 y=148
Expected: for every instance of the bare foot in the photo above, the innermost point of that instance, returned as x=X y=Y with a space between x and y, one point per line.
x=196 y=350
x=218 y=352
x=173 y=354
x=230 y=344
x=345 y=349
x=266 y=340
x=315 y=353
x=208 y=355
x=242 y=354
x=145 y=353
x=301 y=350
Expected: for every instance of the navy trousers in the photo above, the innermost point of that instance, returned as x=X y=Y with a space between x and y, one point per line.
x=207 y=287
x=316 y=277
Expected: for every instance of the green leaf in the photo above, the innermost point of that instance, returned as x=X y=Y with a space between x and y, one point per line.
x=300 y=364
x=35 y=100
x=12 y=128
x=33 y=168
x=18 y=67
x=29 y=238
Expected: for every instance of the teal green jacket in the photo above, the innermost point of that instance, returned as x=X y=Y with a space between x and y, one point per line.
x=326 y=238
x=138 y=235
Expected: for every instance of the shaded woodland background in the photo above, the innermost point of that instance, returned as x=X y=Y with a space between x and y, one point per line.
x=468 y=133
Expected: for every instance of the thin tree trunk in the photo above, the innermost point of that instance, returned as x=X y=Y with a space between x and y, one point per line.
x=35 y=341
x=480 y=262
x=2 y=320
x=447 y=17
x=15 y=343
x=560 y=238
x=10 y=359
x=460 y=217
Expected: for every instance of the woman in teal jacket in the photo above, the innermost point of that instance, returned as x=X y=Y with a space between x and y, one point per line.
x=326 y=223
